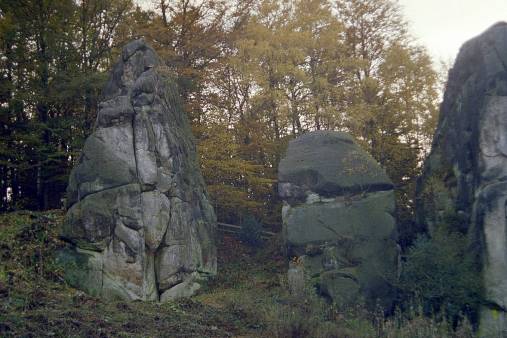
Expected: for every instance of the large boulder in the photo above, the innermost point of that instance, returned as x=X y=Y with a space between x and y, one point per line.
x=464 y=182
x=338 y=219
x=139 y=219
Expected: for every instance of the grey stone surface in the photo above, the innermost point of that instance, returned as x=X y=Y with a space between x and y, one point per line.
x=338 y=218
x=138 y=218
x=465 y=175
x=182 y=290
x=328 y=163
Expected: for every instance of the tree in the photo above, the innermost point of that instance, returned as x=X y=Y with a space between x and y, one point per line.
x=50 y=92
x=254 y=74
x=393 y=98
x=232 y=181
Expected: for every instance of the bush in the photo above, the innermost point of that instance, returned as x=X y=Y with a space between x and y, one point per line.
x=251 y=231
x=442 y=272
x=28 y=242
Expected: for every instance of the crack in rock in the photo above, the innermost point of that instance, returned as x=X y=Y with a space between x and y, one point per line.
x=134 y=226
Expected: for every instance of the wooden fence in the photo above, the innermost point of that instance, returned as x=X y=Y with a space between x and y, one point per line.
x=236 y=229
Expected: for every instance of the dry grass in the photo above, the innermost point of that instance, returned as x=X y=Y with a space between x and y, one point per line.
x=248 y=298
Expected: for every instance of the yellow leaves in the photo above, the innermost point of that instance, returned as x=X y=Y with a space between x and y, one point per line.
x=237 y=185
x=295 y=66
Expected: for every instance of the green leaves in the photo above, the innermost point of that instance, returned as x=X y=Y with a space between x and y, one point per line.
x=442 y=271
x=237 y=185
x=252 y=76
x=52 y=58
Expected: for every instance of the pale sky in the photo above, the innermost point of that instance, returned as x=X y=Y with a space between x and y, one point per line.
x=444 y=25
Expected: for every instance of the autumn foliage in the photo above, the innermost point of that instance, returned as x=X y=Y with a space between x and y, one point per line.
x=252 y=74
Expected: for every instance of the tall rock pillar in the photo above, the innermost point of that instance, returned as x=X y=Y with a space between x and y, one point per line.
x=465 y=176
x=139 y=219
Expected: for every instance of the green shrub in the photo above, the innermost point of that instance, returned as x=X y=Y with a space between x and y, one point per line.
x=251 y=231
x=28 y=242
x=442 y=272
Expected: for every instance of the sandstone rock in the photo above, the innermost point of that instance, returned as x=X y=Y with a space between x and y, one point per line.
x=328 y=164
x=138 y=215
x=338 y=217
x=464 y=177
x=182 y=290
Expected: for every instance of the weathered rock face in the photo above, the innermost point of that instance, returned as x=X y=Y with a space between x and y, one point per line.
x=338 y=217
x=464 y=178
x=139 y=216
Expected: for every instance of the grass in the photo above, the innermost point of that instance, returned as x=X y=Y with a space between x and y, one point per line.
x=36 y=302
x=247 y=298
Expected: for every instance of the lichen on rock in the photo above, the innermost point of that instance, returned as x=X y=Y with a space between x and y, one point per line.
x=139 y=219
x=338 y=219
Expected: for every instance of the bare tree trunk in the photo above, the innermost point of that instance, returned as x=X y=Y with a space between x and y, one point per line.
x=163 y=9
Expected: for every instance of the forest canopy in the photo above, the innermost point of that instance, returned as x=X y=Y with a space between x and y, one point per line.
x=252 y=74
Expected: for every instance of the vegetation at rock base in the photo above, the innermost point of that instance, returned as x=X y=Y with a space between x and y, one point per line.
x=442 y=273
x=248 y=297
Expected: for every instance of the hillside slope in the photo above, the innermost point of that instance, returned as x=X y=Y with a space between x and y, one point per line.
x=248 y=298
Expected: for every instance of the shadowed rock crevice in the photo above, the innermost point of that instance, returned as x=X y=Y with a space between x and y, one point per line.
x=134 y=235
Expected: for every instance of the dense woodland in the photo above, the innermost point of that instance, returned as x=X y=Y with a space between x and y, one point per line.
x=253 y=74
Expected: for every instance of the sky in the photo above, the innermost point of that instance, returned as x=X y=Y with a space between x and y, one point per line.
x=444 y=25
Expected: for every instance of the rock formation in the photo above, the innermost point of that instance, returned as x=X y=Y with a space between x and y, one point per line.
x=338 y=218
x=464 y=183
x=138 y=215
